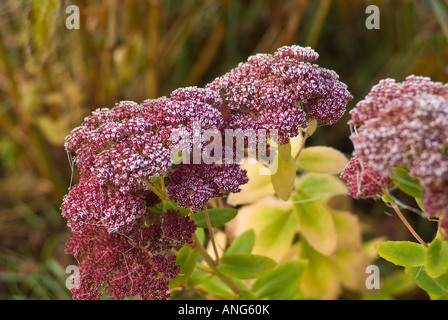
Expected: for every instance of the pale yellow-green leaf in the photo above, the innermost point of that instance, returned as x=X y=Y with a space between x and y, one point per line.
x=351 y=268
x=321 y=186
x=322 y=159
x=369 y=247
x=40 y=26
x=312 y=126
x=315 y=223
x=348 y=230
x=296 y=144
x=284 y=151
x=320 y=279
x=259 y=186
x=285 y=173
x=274 y=225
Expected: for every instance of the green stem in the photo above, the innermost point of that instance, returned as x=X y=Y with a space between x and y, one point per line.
x=206 y=257
x=212 y=237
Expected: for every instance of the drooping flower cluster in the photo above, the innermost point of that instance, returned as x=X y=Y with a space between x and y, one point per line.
x=281 y=92
x=362 y=181
x=404 y=125
x=129 y=264
x=125 y=156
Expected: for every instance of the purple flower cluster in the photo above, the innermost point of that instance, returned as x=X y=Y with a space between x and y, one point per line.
x=125 y=160
x=362 y=181
x=281 y=92
x=404 y=125
x=121 y=154
x=129 y=264
x=192 y=185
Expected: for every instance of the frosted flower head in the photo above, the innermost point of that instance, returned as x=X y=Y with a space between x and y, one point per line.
x=119 y=146
x=192 y=186
x=362 y=181
x=189 y=111
x=388 y=90
x=405 y=125
x=90 y=203
x=281 y=92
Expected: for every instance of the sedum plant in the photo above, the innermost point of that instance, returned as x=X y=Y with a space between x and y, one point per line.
x=400 y=143
x=149 y=216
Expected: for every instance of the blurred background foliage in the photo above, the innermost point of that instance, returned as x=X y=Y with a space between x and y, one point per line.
x=52 y=77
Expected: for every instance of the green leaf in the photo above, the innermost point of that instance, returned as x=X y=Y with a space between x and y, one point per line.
x=321 y=159
x=442 y=281
x=285 y=175
x=442 y=297
x=409 y=185
x=244 y=243
x=245 y=265
x=321 y=186
x=280 y=279
x=247 y=295
x=397 y=284
x=315 y=223
x=402 y=253
x=215 y=286
x=198 y=276
x=348 y=230
x=186 y=258
x=274 y=225
x=200 y=234
x=420 y=203
x=218 y=217
x=425 y=282
x=436 y=260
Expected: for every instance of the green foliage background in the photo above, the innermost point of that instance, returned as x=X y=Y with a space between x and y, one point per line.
x=52 y=77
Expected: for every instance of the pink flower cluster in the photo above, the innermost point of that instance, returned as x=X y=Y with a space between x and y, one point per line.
x=120 y=153
x=281 y=92
x=129 y=264
x=362 y=181
x=402 y=125
x=125 y=160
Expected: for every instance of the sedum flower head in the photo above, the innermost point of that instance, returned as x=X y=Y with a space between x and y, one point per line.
x=192 y=186
x=119 y=146
x=122 y=245
x=362 y=181
x=404 y=125
x=132 y=263
x=281 y=92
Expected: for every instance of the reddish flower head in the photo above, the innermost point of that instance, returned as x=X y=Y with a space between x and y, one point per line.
x=281 y=92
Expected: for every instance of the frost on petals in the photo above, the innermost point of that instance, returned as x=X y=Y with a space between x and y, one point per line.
x=281 y=92
x=362 y=181
x=192 y=186
x=405 y=125
x=122 y=154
